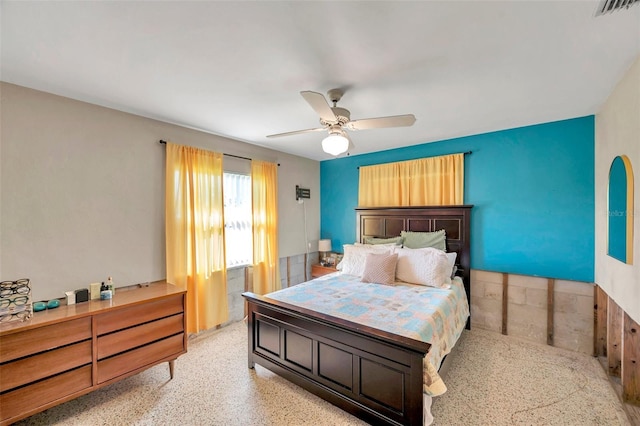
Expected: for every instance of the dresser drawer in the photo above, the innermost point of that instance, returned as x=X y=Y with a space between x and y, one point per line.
x=29 y=398
x=40 y=339
x=138 y=358
x=118 y=319
x=120 y=341
x=45 y=364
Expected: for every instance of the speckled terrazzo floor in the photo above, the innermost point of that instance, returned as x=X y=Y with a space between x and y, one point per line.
x=493 y=380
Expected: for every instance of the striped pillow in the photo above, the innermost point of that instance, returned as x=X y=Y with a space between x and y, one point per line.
x=380 y=268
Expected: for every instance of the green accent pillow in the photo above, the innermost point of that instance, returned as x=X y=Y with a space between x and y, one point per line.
x=372 y=240
x=416 y=240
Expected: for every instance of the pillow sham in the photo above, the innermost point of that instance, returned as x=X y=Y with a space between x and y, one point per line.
x=427 y=266
x=355 y=256
x=373 y=240
x=416 y=240
x=380 y=268
x=451 y=257
x=388 y=246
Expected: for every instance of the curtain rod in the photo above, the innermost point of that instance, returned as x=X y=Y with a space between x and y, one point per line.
x=163 y=142
x=465 y=153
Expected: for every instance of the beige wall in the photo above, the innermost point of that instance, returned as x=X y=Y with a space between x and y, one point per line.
x=527 y=311
x=82 y=192
x=618 y=133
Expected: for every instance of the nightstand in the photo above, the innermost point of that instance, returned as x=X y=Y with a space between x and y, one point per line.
x=318 y=270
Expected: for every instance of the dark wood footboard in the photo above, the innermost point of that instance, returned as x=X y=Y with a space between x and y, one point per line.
x=374 y=375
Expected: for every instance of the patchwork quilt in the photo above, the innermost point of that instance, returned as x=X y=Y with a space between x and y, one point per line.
x=432 y=315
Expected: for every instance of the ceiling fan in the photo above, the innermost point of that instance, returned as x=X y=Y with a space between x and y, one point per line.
x=336 y=121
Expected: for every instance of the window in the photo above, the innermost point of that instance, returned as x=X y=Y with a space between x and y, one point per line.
x=237 y=219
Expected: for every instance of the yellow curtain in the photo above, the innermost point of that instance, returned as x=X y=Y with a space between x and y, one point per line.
x=386 y=176
x=264 y=179
x=423 y=182
x=195 y=233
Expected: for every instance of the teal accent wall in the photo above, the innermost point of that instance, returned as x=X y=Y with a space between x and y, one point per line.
x=532 y=189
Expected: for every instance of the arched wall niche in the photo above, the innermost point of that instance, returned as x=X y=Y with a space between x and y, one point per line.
x=620 y=210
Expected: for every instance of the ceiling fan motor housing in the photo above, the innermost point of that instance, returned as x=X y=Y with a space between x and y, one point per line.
x=336 y=129
x=343 y=115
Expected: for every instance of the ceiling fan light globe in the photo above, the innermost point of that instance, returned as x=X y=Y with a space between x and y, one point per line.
x=335 y=144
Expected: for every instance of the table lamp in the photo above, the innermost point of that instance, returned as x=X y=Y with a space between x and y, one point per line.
x=324 y=247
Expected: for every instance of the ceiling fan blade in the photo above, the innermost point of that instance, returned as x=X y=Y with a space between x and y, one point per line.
x=381 y=122
x=297 y=132
x=320 y=105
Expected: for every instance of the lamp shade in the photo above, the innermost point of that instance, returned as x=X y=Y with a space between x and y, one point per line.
x=335 y=144
x=324 y=245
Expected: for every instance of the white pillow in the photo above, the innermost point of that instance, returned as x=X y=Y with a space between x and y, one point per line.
x=426 y=266
x=451 y=257
x=355 y=257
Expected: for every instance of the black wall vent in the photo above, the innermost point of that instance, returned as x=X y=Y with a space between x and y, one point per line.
x=608 y=6
x=302 y=193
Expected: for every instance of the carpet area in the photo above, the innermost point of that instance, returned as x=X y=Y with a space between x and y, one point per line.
x=493 y=380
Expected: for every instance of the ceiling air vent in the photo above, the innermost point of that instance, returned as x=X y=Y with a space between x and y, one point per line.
x=608 y=6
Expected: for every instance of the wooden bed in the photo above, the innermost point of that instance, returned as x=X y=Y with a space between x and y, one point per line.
x=373 y=374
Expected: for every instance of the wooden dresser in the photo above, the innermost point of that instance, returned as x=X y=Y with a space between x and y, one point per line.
x=66 y=352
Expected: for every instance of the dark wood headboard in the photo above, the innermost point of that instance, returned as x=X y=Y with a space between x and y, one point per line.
x=387 y=222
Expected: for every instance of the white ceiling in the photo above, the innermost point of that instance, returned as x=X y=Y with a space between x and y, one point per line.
x=236 y=68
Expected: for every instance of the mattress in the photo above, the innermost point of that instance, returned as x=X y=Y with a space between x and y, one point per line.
x=432 y=315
